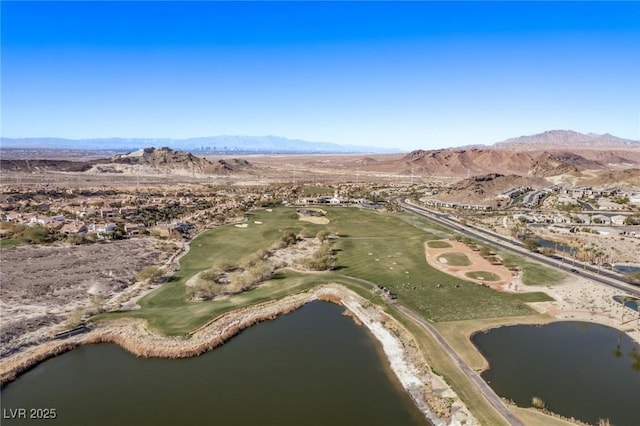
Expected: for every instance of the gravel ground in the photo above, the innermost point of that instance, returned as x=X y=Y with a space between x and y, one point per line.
x=40 y=286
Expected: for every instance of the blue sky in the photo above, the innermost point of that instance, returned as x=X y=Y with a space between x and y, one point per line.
x=405 y=75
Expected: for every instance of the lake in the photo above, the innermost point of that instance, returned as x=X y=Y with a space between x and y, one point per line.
x=313 y=367
x=582 y=370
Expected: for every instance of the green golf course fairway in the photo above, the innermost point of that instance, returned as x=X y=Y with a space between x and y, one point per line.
x=381 y=248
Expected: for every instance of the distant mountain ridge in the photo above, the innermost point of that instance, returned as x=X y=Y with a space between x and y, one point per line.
x=201 y=145
x=567 y=140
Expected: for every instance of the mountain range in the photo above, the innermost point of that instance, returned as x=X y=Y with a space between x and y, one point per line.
x=202 y=145
x=549 y=140
x=567 y=140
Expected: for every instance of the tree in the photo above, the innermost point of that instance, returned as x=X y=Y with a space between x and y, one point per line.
x=35 y=234
x=632 y=220
x=531 y=244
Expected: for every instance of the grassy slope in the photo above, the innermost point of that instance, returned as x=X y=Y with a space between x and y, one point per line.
x=399 y=245
x=397 y=260
x=533 y=273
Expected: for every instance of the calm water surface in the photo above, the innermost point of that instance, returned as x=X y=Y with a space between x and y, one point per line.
x=582 y=370
x=626 y=269
x=312 y=367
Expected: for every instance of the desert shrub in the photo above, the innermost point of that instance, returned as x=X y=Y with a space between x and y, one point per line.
x=538 y=403
x=321 y=259
x=289 y=238
x=210 y=275
x=35 y=234
x=322 y=235
x=226 y=266
x=207 y=289
x=77 y=240
x=149 y=273
x=632 y=278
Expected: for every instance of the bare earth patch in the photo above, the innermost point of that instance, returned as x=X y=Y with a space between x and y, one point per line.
x=504 y=281
x=42 y=285
x=580 y=299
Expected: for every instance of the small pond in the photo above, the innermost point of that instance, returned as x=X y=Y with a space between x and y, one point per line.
x=582 y=370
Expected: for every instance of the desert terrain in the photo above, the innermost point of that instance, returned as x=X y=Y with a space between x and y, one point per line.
x=42 y=286
x=102 y=221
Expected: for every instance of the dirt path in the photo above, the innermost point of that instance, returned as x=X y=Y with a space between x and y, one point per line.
x=482 y=386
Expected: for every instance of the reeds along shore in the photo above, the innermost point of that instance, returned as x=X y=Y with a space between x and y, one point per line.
x=133 y=337
x=18 y=365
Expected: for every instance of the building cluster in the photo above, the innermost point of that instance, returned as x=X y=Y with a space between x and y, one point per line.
x=513 y=193
x=455 y=205
x=101 y=214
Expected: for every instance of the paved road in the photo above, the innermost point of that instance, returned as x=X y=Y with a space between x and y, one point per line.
x=588 y=271
x=482 y=386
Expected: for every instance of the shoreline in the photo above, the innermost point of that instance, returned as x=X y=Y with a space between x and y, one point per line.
x=429 y=392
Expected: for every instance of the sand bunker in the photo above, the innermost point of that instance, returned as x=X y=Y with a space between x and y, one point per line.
x=479 y=269
x=317 y=216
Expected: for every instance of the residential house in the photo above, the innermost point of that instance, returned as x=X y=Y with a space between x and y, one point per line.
x=133 y=229
x=107 y=213
x=74 y=228
x=618 y=219
x=128 y=211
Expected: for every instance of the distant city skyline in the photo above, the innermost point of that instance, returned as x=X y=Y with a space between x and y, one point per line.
x=414 y=75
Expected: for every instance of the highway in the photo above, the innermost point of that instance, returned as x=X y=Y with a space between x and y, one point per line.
x=588 y=271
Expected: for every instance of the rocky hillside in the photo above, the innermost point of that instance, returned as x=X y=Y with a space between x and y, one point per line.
x=561 y=163
x=567 y=140
x=483 y=189
x=145 y=161
x=458 y=162
x=624 y=179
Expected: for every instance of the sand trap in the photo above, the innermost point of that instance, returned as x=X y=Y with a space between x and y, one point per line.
x=436 y=258
x=242 y=225
x=314 y=219
x=319 y=218
x=257 y=222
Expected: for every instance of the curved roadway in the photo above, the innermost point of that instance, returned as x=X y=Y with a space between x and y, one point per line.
x=484 y=388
